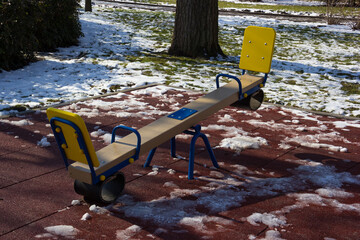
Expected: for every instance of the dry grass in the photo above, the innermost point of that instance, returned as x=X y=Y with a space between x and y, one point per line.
x=337 y=10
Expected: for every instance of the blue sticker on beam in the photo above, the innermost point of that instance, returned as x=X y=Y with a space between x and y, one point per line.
x=182 y=113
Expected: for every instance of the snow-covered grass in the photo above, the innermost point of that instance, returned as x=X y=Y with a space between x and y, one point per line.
x=315 y=66
x=298 y=7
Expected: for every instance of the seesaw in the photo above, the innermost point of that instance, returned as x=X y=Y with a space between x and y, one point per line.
x=97 y=174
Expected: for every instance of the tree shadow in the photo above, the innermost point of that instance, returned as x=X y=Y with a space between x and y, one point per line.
x=186 y=212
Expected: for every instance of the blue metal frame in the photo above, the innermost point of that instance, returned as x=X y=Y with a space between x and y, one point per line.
x=182 y=113
x=229 y=76
x=60 y=139
x=138 y=145
x=150 y=157
x=241 y=95
x=196 y=134
x=173 y=147
x=126 y=162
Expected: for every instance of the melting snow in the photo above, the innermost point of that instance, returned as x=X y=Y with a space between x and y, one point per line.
x=331 y=193
x=170 y=184
x=242 y=142
x=66 y=231
x=43 y=142
x=97 y=209
x=75 y=202
x=128 y=233
x=272 y=235
x=85 y=217
x=19 y=123
x=265 y=218
x=226 y=118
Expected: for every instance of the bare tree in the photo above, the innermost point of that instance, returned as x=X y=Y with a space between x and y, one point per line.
x=196 y=29
x=88 y=7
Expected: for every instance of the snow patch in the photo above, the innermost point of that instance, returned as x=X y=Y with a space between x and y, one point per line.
x=242 y=142
x=272 y=235
x=216 y=174
x=171 y=171
x=199 y=222
x=128 y=233
x=333 y=193
x=97 y=209
x=85 y=217
x=75 y=202
x=98 y=133
x=226 y=118
x=267 y=219
x=43 y=142
x=19 y=123
x=66 y=231
x=170 y=184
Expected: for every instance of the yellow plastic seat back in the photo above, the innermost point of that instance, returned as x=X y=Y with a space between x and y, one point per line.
x=71 y=145
x=257 y=49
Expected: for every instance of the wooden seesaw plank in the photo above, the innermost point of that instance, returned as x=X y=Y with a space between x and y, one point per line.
x=164 y=128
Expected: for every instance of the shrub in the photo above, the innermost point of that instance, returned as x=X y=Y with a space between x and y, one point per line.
x=58 y=24
x=27 y=26
x=17 y=40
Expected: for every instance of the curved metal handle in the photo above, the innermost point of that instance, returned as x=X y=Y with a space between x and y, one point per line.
x=229 y=76
x=136 y=156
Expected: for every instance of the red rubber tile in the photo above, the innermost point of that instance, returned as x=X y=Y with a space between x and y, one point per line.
x=159 y=202
x=20 y=166
x=35 y=198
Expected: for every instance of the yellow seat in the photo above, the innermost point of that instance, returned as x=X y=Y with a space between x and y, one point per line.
x=75 y=148
x=257 y=49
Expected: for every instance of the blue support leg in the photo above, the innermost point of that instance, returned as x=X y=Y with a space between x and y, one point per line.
x=150 y=157
x=209 y=149
x=173 y=147
x=192 y=156
x=196 y=135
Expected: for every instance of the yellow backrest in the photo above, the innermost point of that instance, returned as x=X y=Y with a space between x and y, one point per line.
x=72 y=149
x=257 y=49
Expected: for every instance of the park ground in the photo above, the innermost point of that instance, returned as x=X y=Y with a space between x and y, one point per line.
x=315 y=65
x=284 y=173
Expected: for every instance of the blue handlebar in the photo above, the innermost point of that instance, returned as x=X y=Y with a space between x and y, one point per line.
x=229 y=76
x=136 y=156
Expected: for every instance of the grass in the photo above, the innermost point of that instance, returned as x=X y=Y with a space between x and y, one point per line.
x=350 y=88
x=115 y=87
x=291 y=82
x=19 y=108
x=348 y=11
x=296 y=45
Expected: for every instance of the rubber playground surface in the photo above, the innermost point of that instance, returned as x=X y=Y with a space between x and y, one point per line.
x=284 y=174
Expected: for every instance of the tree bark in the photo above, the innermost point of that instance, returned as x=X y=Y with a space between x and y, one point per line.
x=196 y=29
x=88 y=7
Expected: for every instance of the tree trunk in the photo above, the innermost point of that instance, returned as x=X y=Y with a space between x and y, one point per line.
x=196 y=29
x=88 y=7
